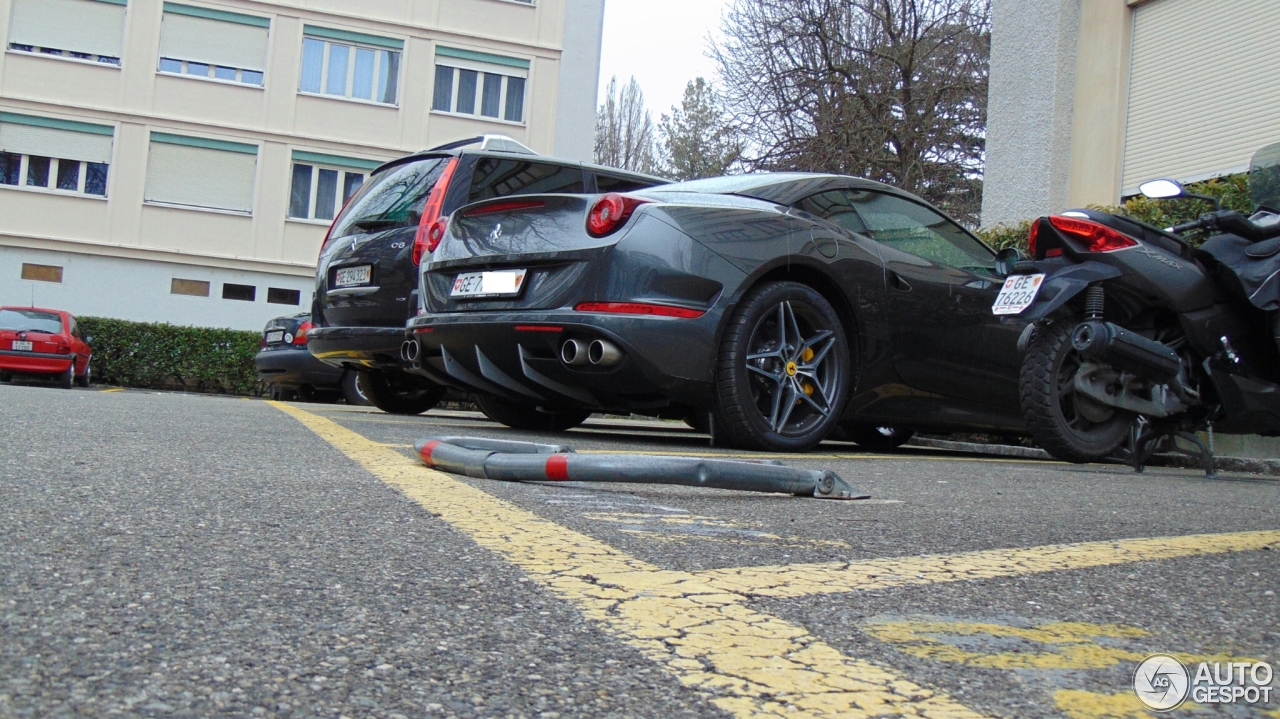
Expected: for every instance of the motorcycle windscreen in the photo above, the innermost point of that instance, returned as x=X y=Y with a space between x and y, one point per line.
x=1264 y=177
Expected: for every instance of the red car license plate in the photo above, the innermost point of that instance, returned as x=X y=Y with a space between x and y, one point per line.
x=21 y=346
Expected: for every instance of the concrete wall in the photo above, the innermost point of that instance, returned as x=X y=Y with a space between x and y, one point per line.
x=579 y=79
x=136 y=100
x=130 y=289
x=1033 y=71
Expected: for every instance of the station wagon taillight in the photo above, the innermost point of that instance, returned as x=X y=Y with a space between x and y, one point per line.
x=426 y=241
x=303 y=329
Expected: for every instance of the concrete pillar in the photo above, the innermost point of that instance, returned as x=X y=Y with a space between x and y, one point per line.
x=1101 y=98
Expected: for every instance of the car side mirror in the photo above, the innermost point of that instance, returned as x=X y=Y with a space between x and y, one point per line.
x=1006 y=259
x=88 y=339
x=1162 y=189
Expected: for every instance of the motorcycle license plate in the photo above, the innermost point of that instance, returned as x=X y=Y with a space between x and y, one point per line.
x=505 y=283
x=1018 y=293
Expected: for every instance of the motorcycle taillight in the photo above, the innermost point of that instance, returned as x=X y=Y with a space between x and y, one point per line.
x=1094 y=236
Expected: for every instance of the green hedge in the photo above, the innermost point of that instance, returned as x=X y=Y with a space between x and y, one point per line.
x=164 y=356
x=1232 y=189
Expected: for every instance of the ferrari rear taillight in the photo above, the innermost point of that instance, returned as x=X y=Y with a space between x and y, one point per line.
x=1094 y=236
x=639 y=308
x=611 y=212
x=303 y=329
x=427 y=240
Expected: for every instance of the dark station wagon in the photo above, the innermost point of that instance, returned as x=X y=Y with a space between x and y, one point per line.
x=367 y=275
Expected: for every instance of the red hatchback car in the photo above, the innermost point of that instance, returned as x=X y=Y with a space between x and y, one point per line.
x=43 y=342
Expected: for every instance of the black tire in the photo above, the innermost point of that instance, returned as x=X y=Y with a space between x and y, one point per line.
x=67 y=379
x=784 y=345
x=6 y=376
x=526 y=416
x=877 y=438
x=398 y=393
x=353 y=389
x=1067 y=426
x=84 y=379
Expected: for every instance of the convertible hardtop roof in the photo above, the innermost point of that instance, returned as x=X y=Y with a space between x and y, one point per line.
x=506 y=148
x=784 y=188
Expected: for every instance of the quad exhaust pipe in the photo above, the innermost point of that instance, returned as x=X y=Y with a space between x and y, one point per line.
x=409 y=350
x=598 y=353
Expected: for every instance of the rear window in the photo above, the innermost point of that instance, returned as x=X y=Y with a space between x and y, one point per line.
x=30 y=321
x=393 y=198
x=494 y=177
x=613 y=183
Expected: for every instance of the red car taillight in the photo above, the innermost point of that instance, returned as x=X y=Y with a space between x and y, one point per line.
x=428 y=239
x=303 y=329
x=639 y=308
x=1094 y=236
x=610 y=212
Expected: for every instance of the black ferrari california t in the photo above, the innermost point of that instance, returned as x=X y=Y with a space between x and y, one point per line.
x=767 y=309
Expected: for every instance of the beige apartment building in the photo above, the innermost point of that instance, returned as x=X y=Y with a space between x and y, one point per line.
x=1089 y=98
x=182 y=161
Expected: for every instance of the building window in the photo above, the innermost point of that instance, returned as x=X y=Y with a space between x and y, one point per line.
x=352 y=65
x=88 y=30
x=322 y=183
x=41 y=273
x=278 y=296
x=480 y=83
x=200 y=172
x=243 y=293
x=191 y=288
x=42 y=153
x=213 y=44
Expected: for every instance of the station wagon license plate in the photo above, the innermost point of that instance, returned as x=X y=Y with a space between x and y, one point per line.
x=21 y=346
x=277 y=336
x=503 y=283
x=1018 y=293
x=352 y=276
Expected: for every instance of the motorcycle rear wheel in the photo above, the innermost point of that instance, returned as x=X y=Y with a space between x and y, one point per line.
x=1068 y=426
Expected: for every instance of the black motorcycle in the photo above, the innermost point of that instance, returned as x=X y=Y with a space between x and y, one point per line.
x=1135 y=338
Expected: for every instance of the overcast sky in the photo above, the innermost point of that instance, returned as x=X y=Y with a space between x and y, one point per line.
x=662 y=42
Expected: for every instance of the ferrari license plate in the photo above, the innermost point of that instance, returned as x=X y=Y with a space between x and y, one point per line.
x=21 y=346
x=504 y=283
x=1018 y=293
x=277 y=336
x=352 y=276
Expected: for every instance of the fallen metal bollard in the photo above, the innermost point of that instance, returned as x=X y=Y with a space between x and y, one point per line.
x=511 y=461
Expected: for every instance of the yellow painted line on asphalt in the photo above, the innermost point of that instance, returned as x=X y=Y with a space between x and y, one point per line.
x=798 y=580
x=113 y=389
x=748 y=663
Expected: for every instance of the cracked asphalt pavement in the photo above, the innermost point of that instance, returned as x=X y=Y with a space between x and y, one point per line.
x=177 y=555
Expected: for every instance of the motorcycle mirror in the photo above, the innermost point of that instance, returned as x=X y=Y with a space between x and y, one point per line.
x=1161 y=189
x=1006 y=259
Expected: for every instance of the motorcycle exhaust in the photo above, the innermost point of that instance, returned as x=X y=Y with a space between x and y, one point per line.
x=574 y=353
x=409 y=351
x=604 y=354
x=1126 y=351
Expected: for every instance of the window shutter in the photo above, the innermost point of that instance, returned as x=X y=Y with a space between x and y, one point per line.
x=87 y=26
x=1201 y=93
x=215 y=42
x=200 y=177
x=51 y=142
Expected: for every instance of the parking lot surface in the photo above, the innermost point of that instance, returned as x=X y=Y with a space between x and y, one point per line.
x=177 y=555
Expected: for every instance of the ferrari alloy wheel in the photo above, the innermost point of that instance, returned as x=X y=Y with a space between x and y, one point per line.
x=526 y=416
x=783 y=369
x=1064 y=423
x=397 y=393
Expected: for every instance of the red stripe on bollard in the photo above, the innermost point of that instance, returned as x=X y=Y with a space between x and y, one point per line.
x=426 y=452
x=558 y=467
